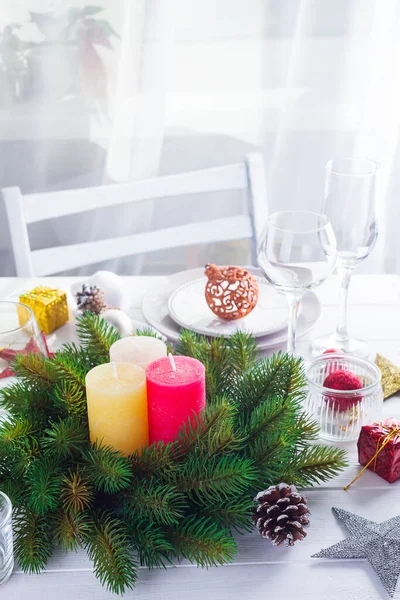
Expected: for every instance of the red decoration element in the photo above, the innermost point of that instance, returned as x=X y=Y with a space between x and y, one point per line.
x=31 y=347
x=343 y=380
x=173 y=397
x=231 y=292
x=332 y=351
x=372 y=437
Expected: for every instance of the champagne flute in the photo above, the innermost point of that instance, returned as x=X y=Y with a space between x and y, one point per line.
x=297 y=252
x=350 y=205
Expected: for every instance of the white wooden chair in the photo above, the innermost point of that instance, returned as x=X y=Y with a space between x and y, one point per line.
x=22 y=210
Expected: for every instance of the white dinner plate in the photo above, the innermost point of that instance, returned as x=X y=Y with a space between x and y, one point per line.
x=155 y=309
x=188 y=307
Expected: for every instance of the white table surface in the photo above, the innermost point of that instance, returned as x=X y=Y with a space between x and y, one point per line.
x=260 y=571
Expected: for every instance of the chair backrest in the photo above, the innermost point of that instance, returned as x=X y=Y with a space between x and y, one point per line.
x=23 y=210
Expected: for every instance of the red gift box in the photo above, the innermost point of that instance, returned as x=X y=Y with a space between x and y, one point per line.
x=382 y=438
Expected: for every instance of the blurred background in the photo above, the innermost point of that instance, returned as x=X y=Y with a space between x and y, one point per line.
x=110 y=91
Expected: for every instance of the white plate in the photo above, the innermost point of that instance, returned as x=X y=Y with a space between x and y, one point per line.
x=155 y=309
x=188 y=307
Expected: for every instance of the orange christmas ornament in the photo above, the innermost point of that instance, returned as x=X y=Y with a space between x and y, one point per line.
x=231 y=292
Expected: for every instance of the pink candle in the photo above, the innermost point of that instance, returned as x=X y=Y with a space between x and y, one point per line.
x=173 y=396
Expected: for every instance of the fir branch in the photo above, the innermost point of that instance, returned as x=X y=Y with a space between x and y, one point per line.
x=65 y=438
x=191 y=344
x=155 y=502
x=304 y=431
x=77 y=491
x=72 y=365
x=151 y=544
x=25 y=399
x=107 y=468
x=70 y=397
x=210 y=478
x=211 y=432
x=275 y=414
x=34 y=368
x=33 y=540
x=22 y=456
x=315 y=464
x=13 y=488
x=270 y=453
x=157 y=459
x=108 y=546
x=16 y=430
x=279 y=376
x=71 y=529
x=96 y=336
x=203 y=541
x=44 y=485
x=242 y=349
x=233 y=512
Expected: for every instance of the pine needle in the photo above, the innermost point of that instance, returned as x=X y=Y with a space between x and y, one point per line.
x=34 y=368
x=108 y=469
x=214 y=477
x=44 y=485
x=203 y=541
x=315 y=464
x=151 y=544
x=96 y=336
x=109 y=548
x=65 y=438
x=33 y=542
x=157 y=503
x=71 y=529
x=77 y=492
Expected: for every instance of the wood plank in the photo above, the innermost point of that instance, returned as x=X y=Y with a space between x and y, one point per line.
x=319 y=579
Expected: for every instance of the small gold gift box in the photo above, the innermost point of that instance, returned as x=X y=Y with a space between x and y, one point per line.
x=49 y=306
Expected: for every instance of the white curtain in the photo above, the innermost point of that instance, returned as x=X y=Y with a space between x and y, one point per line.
x=100 y=90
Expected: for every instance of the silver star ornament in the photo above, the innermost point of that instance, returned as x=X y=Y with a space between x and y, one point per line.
x=379 y=543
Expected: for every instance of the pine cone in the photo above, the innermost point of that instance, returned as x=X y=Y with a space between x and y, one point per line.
x=90 y=298
x=281 y=514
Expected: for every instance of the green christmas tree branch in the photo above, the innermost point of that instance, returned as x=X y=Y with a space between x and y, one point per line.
x=96 y=336
x=149 y=500
x=203 y=541
x=108 y=546
x=33 y=540
x=109 y=471
x=166 y=501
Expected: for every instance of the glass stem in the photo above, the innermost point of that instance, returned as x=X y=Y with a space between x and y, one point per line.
x=345 y=274
x=293 y=301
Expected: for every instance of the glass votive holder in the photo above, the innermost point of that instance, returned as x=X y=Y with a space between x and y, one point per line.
x=6 y=539
x=341 y=413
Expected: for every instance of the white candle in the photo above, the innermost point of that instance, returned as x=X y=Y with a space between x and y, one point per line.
x=140 y=350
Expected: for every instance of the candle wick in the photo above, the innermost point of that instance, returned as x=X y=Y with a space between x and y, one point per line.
x=114 y=370
x=171 y=360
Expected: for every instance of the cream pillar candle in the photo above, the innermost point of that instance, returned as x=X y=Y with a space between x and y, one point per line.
x=140 y=350
x=117 y=406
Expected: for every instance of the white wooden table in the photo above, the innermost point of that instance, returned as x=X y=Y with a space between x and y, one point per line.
x=260 y=571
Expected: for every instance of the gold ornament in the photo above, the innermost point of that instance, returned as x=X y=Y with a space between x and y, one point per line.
x=231 y=292
x=390 y=376
x=49 y=306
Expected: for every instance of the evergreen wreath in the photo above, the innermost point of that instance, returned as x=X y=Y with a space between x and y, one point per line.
x=179 y=499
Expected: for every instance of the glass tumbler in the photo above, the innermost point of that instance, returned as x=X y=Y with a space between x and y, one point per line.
x=341 y=413
x=19 y=332
x=6 y=538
